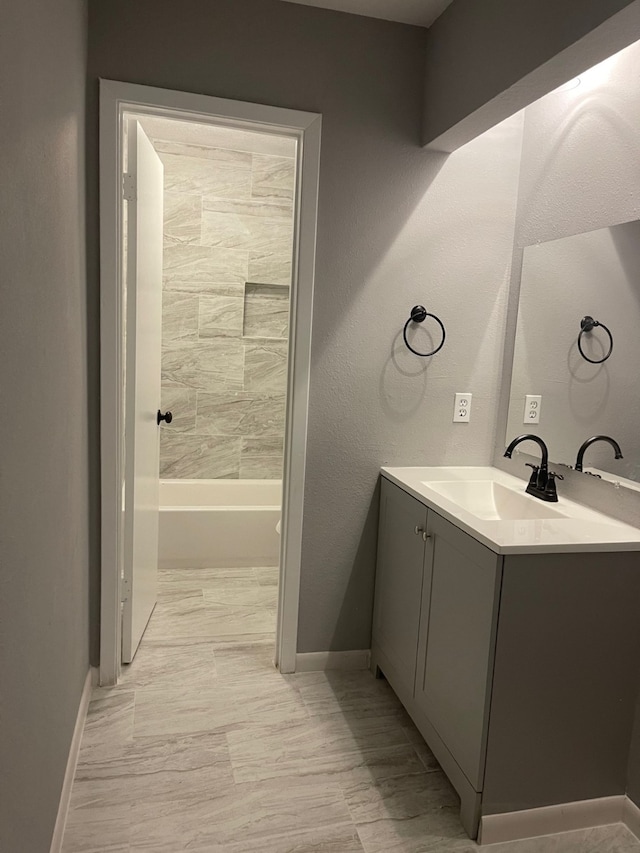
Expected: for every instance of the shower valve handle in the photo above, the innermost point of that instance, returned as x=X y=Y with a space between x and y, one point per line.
x=168 y=417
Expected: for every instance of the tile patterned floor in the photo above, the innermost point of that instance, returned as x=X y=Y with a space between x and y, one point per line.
x=205 y=747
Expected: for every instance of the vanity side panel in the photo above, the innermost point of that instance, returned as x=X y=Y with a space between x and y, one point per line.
x=399 y=573
x=565 y=680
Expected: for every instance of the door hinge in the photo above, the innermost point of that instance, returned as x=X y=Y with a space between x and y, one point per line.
x=129 y=187
x=125 y=589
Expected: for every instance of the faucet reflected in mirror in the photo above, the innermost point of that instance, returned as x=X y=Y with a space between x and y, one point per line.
x=592 y=440
x=542 y=483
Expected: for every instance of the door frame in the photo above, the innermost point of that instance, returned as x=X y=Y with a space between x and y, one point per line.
x=116 y=99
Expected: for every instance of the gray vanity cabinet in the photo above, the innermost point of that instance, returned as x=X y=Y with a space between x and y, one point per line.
x=399 y=579
x=457 y=642
x=519 y=670
x=434 y=625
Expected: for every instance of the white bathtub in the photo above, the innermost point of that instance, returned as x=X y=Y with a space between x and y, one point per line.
x=218 y=523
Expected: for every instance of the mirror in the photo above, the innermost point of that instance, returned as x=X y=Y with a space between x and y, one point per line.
x=594 y=274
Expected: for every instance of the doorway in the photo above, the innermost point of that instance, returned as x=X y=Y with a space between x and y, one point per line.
x=224 y=361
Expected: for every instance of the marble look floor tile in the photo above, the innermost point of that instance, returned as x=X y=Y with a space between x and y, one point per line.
x=374 y=748
x=220 y=316
x=109 y=723
x=423 y=752
x=238 y=662
x=107 y=836
x=342 y=838
x=268 y=575
x=247 y=814
x=154 y=769
x=240 y=413
x=174 y=666
x=179 y=317
x=244 y=596
x=206 y=619
x=272 y=177
x=181 y=402
x=335 y=692
x=266 y=638
x=201 y=579
x=182 y=218
x=200 y=175
x=410 y=814
x=270 y=268
x=261 y=467
x=193 y=615
x=212 y=365
x=218 y=709
x=195 y=456
x=204 y=265
x=265 y=367
x=266 y=311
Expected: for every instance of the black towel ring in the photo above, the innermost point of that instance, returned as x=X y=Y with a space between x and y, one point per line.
x=418 y=315
x=586 y=325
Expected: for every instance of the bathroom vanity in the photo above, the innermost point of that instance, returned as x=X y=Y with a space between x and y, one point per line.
x=510 y=630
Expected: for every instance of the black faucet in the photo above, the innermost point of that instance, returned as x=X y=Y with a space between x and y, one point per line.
x=591 y=441
x=542 y=481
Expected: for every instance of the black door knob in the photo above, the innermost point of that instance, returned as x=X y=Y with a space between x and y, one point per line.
x=168 y=417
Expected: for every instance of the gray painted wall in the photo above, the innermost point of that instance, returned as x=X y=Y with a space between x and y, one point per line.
x=44 y=576
x=580 y=172
x=397 y=226
x=485 y=61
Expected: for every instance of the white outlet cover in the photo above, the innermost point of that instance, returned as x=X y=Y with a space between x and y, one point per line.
x=532 y=409
x=462 y=408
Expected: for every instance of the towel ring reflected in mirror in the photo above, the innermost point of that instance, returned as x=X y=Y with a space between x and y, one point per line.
x=587 y=324
x=418 y=315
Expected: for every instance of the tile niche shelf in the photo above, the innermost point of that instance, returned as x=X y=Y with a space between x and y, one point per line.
x=266 y=311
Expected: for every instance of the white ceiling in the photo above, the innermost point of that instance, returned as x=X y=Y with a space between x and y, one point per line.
x=420 y=12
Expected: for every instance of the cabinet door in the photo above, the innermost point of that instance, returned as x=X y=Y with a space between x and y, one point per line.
x=455 y=664
x=396 y=614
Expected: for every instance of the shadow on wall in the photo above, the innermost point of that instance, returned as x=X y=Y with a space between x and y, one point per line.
x=400 y=407
x=357 y=606
x=588 y=117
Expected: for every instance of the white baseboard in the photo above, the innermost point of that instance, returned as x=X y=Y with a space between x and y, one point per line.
x=72 y=761
x=319 y=661
x=550 y=820
x=631 y=816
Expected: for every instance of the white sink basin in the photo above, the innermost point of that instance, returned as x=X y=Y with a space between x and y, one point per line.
x=492 y=501
x=492 y=506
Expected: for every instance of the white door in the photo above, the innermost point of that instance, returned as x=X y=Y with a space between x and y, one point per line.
x=144 y=193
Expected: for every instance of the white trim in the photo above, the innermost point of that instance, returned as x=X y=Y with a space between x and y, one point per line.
x=319 y=661
x=631 y=816
x=72 y=762
x=116 y=99
x=550 y=820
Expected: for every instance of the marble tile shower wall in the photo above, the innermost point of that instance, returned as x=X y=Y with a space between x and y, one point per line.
x=227 y=269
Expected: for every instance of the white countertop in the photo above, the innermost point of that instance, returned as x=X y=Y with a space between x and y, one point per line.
x=581 y=529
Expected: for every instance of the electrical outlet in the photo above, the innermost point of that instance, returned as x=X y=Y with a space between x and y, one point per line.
x=532 y=409
x=462 y=408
